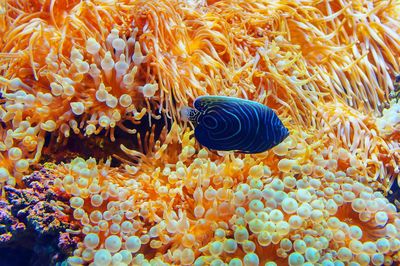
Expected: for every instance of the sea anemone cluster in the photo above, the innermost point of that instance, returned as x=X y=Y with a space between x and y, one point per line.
x=95 y=87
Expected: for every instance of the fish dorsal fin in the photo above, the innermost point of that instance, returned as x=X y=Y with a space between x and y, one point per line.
x=202 y=103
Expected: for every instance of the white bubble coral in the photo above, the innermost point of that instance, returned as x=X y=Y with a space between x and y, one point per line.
x=255 y=215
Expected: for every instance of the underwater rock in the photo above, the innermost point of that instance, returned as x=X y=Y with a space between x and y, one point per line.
x=36 y=219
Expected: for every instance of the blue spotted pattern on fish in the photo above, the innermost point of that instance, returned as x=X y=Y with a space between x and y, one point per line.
x=232 y=124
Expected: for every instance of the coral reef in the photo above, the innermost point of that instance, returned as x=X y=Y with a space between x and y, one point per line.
x=96 y=87
x=37 y=219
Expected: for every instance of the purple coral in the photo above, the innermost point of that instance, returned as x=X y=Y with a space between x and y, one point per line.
x=32 y=220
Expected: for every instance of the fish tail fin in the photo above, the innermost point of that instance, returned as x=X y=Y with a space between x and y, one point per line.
x=189 y=114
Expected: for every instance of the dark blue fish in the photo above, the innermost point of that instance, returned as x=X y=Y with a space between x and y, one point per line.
x=233 y=124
